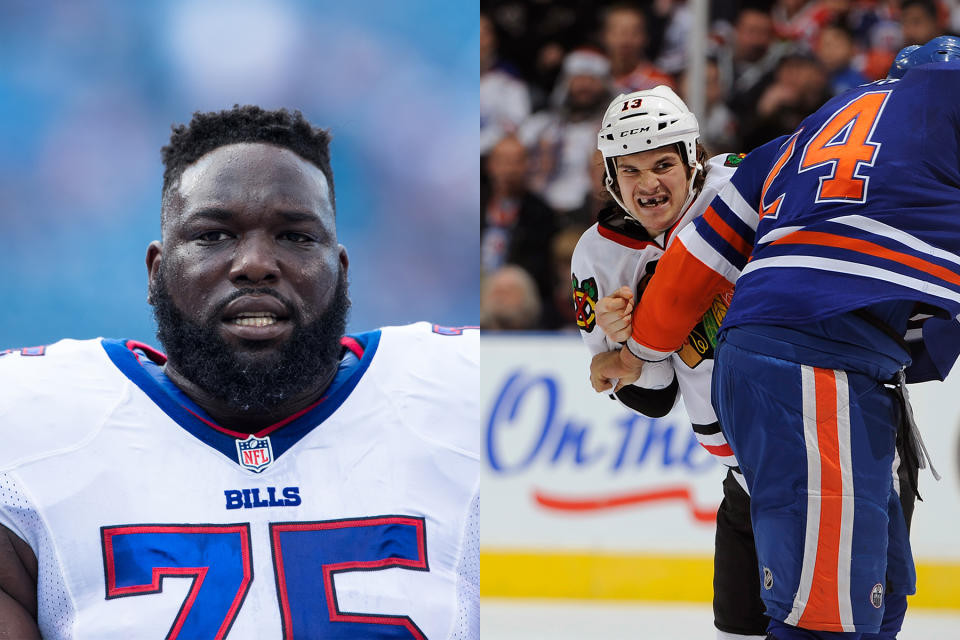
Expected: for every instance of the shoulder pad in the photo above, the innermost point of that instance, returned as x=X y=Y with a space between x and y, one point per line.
x=55 y=400
x=434 y=371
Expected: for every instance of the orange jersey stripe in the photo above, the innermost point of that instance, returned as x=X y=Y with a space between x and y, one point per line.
x=684 y=289
x=823 y=607
x=726 y=232
x=870 y=248
x=774 y=172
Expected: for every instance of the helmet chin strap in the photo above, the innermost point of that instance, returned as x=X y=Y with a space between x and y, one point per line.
x=697 y=168
x=609 y=184
x=611 y=163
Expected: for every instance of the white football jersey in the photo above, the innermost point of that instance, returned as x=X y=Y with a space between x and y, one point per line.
x=617 y=251
x=356 y=518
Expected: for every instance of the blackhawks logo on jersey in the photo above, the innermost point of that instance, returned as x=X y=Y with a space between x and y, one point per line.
x=703 y=339
x=585 y=296
x=734 y=159
x=648 y=272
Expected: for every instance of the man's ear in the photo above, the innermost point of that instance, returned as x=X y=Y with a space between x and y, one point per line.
x=154 y=258
x=344 y=258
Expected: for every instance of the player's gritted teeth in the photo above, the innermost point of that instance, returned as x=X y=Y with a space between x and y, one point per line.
x=256 y=317
x=653 y=201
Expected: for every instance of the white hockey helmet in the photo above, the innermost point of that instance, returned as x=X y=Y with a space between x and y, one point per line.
x=646 y=120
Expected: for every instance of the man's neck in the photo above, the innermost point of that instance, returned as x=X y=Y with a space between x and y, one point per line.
x=249 y=421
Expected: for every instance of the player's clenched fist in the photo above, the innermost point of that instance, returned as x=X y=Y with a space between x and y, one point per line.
x=607 y=369
x=614 y=314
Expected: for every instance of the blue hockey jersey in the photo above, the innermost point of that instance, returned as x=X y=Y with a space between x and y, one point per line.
x=861 y=205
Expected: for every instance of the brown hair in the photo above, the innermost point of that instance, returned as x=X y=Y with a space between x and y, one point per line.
x=702 y=174
x=697 y=182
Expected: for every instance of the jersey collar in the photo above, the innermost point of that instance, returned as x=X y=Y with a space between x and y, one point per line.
x=141 y=364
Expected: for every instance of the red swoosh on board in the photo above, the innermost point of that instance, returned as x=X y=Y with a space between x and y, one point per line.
x=601 y=503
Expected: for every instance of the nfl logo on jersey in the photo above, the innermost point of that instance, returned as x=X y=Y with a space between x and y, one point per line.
x=255 y=453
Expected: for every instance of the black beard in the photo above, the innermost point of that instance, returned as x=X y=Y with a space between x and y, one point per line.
x=252 y=382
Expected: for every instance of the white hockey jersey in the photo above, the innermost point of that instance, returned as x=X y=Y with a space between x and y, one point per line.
x=617 y=251
x=356 y=518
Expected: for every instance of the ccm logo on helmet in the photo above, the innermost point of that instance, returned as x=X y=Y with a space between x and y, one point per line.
x=624 y=134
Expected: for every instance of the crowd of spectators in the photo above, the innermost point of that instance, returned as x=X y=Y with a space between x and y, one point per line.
x=548 y=68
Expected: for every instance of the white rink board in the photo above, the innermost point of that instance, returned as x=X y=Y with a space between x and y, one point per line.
x=548 y=434
x=551 y=442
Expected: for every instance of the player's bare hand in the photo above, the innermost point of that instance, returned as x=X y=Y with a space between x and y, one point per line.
x=628 y=378
x=614 y=314
x=608 y=371
x=599 y=382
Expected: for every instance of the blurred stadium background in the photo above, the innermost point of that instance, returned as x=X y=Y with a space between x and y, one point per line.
x=89 y=90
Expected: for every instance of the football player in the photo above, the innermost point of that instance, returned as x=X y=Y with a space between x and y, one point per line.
x=268 y=477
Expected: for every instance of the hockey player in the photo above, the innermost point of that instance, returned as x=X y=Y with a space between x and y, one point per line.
x=256 y=481
x=844 y=244
x=660 y=180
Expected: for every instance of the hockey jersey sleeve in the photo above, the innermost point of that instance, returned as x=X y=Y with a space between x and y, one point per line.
x=705 y=260
x=932 y=364
x=655 y=392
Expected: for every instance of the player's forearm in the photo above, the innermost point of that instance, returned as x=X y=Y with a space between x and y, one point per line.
x=680 y=292
x=654 y=403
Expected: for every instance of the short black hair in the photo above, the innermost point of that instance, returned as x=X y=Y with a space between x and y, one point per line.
x=209 y=131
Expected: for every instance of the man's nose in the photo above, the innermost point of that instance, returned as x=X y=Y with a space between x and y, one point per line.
x=648 y=182
x=255 y=260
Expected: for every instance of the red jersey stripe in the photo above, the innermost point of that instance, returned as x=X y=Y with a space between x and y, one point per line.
x=718 y=449
x=623 y=239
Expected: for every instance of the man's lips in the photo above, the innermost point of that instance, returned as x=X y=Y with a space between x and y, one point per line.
x=256 y=317
x=255 y=308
